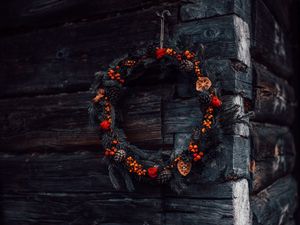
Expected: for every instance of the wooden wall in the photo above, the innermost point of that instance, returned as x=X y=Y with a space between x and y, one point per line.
x=51 y=169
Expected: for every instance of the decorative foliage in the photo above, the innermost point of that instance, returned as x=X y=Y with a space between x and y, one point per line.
x=128 y=158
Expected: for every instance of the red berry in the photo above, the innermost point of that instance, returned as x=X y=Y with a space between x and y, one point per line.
x=105 y=124
x=152 y=172
x=195 y=155
x=160 y=52
x=216 y=102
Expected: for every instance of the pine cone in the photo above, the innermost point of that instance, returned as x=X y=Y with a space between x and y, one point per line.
x=164 y=176
x=186 y=65
x=120 y=155
x=113 y=94
x=106 y=140
x=204 y=97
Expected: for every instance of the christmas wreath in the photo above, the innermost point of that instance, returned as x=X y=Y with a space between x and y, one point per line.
x=129 y=159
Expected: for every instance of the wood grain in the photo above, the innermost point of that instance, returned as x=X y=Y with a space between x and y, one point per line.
x=273 y=154
x=223 y=37
x=275 y=98
x=199 y=9
x=34 y=14
x=69 y=55
x=276 y=204
x=270 y=44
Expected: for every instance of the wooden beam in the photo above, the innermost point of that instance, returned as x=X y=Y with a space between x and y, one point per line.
x=274 y=98
x=68 y=56
x=225 y=37
x=24 y=15
x=276 y=204
x=270 y=44
x=69 y=59
x=199 y=9
x=273 y=154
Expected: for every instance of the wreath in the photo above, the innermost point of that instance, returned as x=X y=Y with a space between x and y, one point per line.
x=126 y=158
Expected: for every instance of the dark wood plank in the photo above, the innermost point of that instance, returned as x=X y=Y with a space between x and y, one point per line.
x=69 y=55
x=280 y=9
x=207 y=205
x=233 y=208
x=275 y=98
x=47 y=122
x=68 y=208
x=85 y=172
x=269 y=42
x=73 y=53
x=223 y=37
x=230 y=76
x=181 y=116
x=199 y=9
x=24 y=15
x=142 y=112
x=276 y=204
x=273 y=154
x=76 y=172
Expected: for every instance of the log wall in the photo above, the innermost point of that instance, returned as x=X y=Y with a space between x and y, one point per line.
x=51 y=169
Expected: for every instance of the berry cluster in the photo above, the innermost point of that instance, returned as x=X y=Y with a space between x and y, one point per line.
x=135 y=167
x=114 y=74
x=197 y=155
x=208 y=117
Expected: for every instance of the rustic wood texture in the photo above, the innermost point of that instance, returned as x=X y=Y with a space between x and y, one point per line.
x=99 y=208
x=224 y=37
x=273 y=154
x=275 y=98
x=51 y=170
x=69 y=55
x=280 y=9
x=270 y=44
x=36 y=14
x=276 y=204
x=199 y=9
x=230 y=76
x=68 y=64
x=59 y=122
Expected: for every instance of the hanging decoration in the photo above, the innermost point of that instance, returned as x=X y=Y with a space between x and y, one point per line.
x=129 y=159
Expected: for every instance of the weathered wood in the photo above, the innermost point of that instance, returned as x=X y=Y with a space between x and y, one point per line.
x=275 y=98
x=230 y=76
x=77 y=172
x=18 y=169
x=142 y=117
x=273 y=154
x=68 y=64
x=280 y=9
x=181 y=116
x=224 y=37
x=58 y=122
x=69 y=55
x=234 y=209
x=276 y=204
x=92 y=199
x=229 y=162
x=68 y=208
x=269 y=42
x=37 y=14
x=199 y=9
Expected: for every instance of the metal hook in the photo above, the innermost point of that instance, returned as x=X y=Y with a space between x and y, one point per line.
x=162 y=25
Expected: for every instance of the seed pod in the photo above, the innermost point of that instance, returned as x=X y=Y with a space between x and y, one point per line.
x=186 y=65
x=164 y=176
x=120 y=155
x=204 y=97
